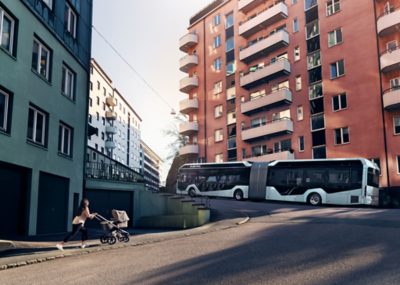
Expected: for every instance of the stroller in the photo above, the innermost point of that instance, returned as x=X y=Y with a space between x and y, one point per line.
x=113 y=228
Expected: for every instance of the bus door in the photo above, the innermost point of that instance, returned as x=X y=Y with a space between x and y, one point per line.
x=372 y=188
x=258 y=181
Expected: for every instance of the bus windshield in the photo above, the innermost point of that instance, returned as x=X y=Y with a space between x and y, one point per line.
x=373 y=177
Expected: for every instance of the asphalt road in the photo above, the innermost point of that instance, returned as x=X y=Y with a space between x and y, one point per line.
x=282 y=244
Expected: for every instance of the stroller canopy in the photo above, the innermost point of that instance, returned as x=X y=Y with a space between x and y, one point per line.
x=121 y=216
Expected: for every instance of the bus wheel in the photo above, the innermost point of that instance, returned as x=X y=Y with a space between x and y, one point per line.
x=192 y=193
x=314 y=199
x=238 y=195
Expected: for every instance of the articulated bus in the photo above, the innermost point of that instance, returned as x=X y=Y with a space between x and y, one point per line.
x=344 y=181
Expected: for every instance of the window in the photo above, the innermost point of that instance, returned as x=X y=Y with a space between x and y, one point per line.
x=218 y=111
x=339 y=102
x=7 y=26
x=294 y=2
x=337 y=69
x=335 y=37
x=230 y=68
x=308 y=4
x=313 y=60
x=332 y=7
x=4 y=111
x=41 y=57
x=396 y=124
x=218 y=135
x=298 y=83
x=259 y=150
x=97 y=116
x=296 y=53
x=398 y=164
x=37 y=124
x=49 y=3
x=254 y=123
x=217 y=64
x=90 y=118
x=300 y=115
x=391 y=46
x=90 y=102
x=301 y=143
x=91 y=85
x=317 y=122
x=218 y=87
x=229 y=20
x=219 y=157
x=395 y=83
x=216 y=20
x=312 y=29
x=230 y=44
x=98 y=101
x=295 y=25
x=315 y=91
x=104 y=91
x=217 y=41
x=342 y=135
x=65 y=140
x=68 y=82
x=98 y=85
x=70 y=20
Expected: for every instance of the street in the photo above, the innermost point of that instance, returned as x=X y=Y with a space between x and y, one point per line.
x=281 y=244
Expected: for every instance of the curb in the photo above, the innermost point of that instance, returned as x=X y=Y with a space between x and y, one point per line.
x=243 y=221
x=6 y=245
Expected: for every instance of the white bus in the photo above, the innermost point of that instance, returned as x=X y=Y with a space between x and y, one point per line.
x=318 y=181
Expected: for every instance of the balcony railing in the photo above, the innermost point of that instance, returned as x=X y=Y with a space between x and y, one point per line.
x=263 y=74
x=266 y=101
x=111 y=101
x=391 y=99
x=263 y=19
x=263 y=46
x=284 y=154
x=187 y=62
x=389 y=21
x=189 y=149
x=273 y=128
x=188 y=128
x=113 y=172
x=188 y=41
x=187 y=84
x=390 y=59
x=188 y=105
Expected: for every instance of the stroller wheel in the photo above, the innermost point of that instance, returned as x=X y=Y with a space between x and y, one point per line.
x=126 y=238
x=112 y=240
x=103 y=239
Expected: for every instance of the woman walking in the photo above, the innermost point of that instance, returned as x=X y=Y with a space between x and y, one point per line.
x=78 y=224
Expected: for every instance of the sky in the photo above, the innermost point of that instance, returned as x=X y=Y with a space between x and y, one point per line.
x=146 y=33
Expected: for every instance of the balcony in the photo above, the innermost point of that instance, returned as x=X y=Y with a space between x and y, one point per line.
x=391 y=99
x=263 y=19
x=111 y=101
x=247 y=5
x=187 y=62
x=188 y=105
x=389 y=22
x=187 y=84
x=264 y=46
x=111 y=130
x=189 y=149
x=110 y=144
x=188 y=128
x=390 y=60
x=283 y=155
x=276 y=98
x=110 y=115
x=188 y=41
x=274 y=128
x=260 y=75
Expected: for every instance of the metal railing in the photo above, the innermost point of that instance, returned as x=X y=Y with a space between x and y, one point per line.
x=264 y=123
x=114 y=172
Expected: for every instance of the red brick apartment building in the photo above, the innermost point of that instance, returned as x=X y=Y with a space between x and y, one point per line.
x=294 y=79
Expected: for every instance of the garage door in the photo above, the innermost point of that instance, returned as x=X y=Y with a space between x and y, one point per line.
x=53 y=204
x=103 y=201
x=13 y=202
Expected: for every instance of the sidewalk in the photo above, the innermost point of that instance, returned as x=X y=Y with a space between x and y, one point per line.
x=21 y=253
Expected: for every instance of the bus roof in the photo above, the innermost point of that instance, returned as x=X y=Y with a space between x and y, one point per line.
x=217 y=165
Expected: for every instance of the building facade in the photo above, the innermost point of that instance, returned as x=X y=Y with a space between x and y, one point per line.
x=117 y=123
x=294 y=79
x=151 y=167
x=44 y=74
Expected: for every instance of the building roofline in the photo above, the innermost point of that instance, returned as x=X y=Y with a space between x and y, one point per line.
x=127 y=103
x=216 y=4
x=152 y=151
x=102 y=72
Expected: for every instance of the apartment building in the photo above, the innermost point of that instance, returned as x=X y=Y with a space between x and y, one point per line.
x=44 y=74
x=151 y=167
x=117 y=123
x=294 y=79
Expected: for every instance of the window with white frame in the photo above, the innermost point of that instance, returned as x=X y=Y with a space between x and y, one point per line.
x=296 y=53
x=312 y=29
x=4 y=110
x=217 y=87
x=230 y=68
x=335 y=37
x=37 y=126
x=230 y=44
x=217 y=41
x=218 y=135
x=229 y=20
x=396 y=125
x=49 y=3
x=301 y=143
x=337 y=69
x=68 y=82
x=339 y=102
x=298 y=82
x=317 y=122
x=41 y=57
x=218 y=111
x=300 y=113
x=295 y=25
x=332 y=7
x=257 y=122
x=216 y=20
x=217 y=64
x=65 y=140
x=342 y=135
x=7 y=26
x=313 y=60
x=395 y=83
x=70 y=20
x=219 y=157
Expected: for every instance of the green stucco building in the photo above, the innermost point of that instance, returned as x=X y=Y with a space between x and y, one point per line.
x=44 y=73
